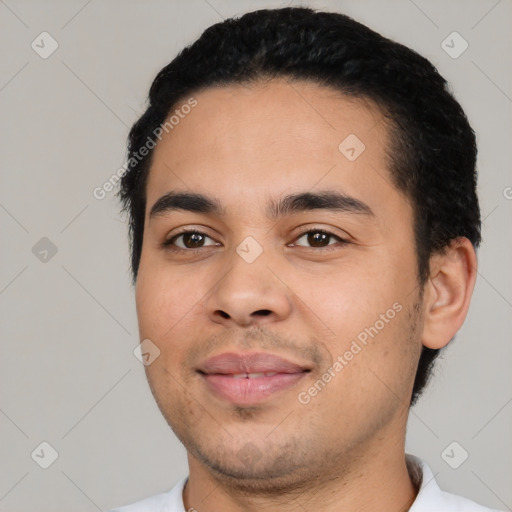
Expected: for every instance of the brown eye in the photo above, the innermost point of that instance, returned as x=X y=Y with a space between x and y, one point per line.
x=318 y=238
x=190 y=240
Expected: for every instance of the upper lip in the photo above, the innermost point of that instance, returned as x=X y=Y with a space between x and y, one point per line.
x=232 y=363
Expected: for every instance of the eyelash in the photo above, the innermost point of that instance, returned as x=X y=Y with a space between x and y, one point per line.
x=169 y=244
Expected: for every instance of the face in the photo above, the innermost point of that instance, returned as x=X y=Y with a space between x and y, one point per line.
x=287 y=318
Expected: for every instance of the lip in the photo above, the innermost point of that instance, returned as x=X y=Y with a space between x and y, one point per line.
x=250 y=378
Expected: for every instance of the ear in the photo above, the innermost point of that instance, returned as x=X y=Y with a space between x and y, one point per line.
x=448 y=292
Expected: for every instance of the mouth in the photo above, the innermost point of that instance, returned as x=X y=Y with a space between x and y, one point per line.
x=249 y=379
x=250 y=375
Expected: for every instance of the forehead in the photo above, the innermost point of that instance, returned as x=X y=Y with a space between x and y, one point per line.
x=243 y=143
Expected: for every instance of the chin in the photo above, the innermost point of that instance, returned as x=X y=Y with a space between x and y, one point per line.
x=261 y=478
x=258 y=467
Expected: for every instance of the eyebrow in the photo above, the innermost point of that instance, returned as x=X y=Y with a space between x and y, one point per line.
x=290 y=204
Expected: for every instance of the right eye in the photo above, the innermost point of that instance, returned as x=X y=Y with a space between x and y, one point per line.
x=191 y=241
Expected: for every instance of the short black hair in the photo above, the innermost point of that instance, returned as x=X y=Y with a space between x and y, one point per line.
x=432 y=158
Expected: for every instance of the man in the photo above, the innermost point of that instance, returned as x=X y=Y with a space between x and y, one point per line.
x=303 y=222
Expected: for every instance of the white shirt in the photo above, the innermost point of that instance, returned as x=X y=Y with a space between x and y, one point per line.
x=430 y=497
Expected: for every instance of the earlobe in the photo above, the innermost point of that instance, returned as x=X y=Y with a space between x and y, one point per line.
x=448 y=292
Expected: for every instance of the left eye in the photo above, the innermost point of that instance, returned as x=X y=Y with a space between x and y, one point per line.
x=318 y=238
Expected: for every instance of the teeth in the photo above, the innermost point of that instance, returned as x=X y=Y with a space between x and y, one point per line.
x=253 y=375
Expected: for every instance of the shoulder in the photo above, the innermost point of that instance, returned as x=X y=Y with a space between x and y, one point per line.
x=431 y=498
x=171 y=501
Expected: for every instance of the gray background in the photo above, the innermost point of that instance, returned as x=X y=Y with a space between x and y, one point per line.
x=68 y=374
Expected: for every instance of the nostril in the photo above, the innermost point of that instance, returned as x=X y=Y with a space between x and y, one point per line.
x=264 y=312
x=223 y=314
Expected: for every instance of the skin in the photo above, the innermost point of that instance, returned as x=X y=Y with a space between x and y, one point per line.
x=246 y=145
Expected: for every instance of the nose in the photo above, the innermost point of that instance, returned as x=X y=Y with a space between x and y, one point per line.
x=248 y=294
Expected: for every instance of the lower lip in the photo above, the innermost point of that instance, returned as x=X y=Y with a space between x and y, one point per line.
x=250 y=391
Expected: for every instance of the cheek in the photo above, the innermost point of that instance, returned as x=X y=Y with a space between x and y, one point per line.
x=351 y=297
x=366 y=308
x=164 y=297
x=373 y=365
